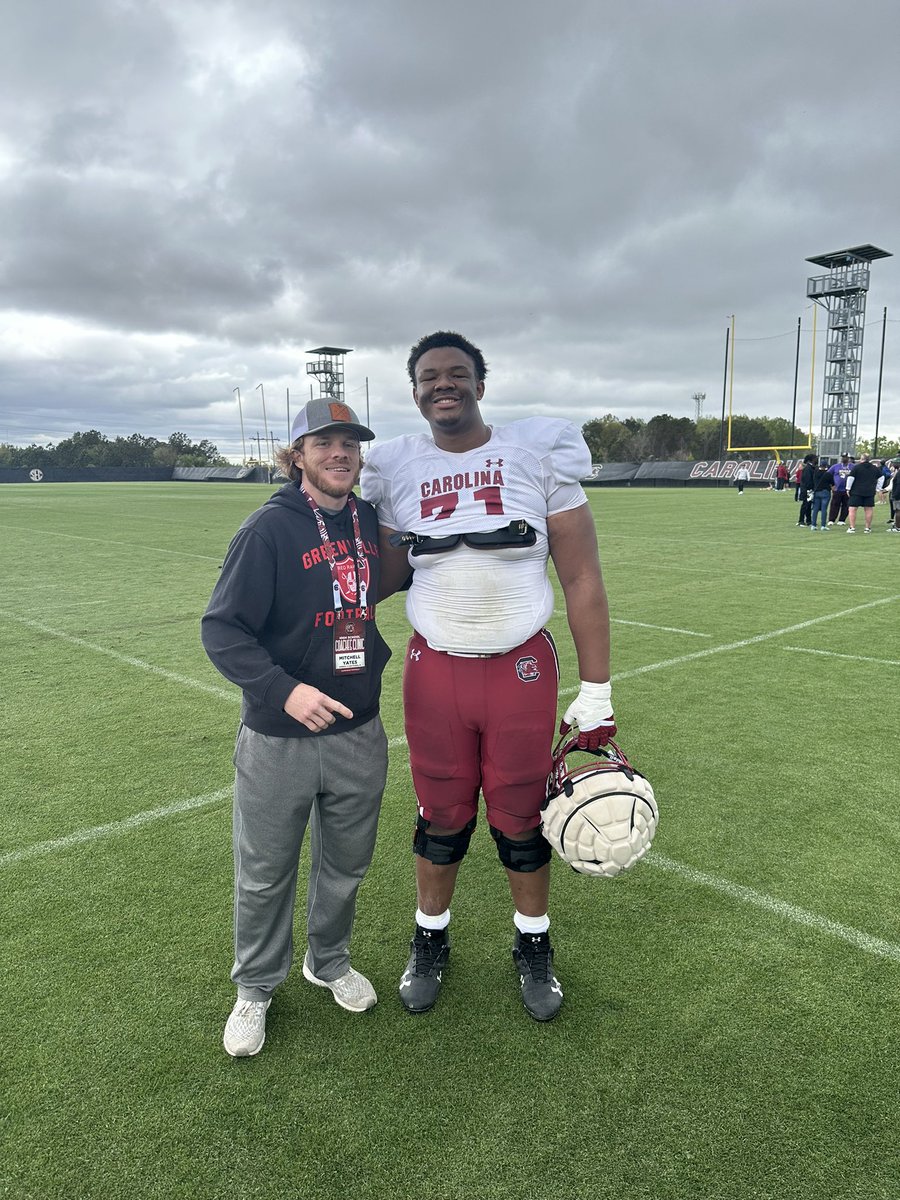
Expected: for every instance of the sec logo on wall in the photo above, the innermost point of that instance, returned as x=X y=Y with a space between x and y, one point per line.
x=35 y=476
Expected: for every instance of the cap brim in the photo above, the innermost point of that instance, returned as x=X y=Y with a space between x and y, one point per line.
x=364 y=434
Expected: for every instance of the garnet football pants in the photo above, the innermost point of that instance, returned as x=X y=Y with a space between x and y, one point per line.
x=481 y=724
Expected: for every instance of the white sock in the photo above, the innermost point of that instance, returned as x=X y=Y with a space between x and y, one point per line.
x=531 y=924
x=441 y=921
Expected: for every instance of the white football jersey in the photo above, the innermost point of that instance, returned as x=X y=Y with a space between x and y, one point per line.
x=484 y=601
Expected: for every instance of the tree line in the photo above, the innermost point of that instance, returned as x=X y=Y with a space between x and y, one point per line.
x=663 y=438
x=679 y=439
x=94 y=449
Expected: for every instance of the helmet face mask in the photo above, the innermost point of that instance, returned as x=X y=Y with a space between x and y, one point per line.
x=599 y=817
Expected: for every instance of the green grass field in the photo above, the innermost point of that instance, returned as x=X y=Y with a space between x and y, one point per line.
x=731 y=1020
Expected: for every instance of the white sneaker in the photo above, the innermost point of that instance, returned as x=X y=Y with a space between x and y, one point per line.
x=850 y=529
x=867 y=531
x=352 y=991
x=245 y=1030
x=840 y=522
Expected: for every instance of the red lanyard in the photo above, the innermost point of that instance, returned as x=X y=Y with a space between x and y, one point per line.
x=328 y=551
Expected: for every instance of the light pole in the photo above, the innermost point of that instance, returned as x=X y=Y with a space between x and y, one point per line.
x=724 y=394
x=880 y=377
x=796 y=374
x=241 y=415
x=262 y=391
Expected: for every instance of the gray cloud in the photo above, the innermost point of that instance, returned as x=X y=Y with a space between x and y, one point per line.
x=193 y=195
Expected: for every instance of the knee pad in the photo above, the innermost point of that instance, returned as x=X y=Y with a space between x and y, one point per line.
x=445 y=849
x=522 y=856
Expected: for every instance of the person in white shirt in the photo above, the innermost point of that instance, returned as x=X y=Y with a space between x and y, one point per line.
x=477 y=511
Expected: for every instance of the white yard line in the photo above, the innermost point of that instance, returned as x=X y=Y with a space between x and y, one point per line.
x=78 y=537
x=231 y=694
x=624 y=565
x=128 y=824
x=113 y=829
x=751 y=641
x=780 y=908
x=569 y=691
x=664 y=628
x=735 y=891
x=884 y=662
x=173 y=676
x=746 y=895
x=64 y=607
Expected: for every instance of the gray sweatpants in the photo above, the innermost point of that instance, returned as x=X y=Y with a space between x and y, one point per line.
x=333 y=783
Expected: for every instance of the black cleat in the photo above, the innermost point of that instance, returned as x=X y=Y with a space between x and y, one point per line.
x=421 y=982
x=542 y=992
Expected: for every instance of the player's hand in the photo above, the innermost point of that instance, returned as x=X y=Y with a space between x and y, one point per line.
x=313 y=708
x=591 y=711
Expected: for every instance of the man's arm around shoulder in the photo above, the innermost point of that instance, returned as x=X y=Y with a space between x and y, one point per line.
x=394 y=568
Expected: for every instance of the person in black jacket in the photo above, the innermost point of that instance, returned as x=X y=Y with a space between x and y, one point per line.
x=807 y=479
x=861 y=485
x=291 y=621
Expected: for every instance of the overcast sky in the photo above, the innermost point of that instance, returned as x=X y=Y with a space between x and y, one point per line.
x=193 y=195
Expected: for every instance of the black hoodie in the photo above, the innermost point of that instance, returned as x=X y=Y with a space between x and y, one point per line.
x=270 y=621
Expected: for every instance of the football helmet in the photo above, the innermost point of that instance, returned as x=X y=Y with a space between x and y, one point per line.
x=599 y=817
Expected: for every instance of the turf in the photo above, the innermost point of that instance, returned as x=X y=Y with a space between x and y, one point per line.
x=730 y=1026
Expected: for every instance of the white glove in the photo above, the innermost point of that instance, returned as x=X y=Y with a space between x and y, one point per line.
x=592 y=712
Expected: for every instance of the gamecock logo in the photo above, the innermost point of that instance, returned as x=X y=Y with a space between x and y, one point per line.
x=527 y=669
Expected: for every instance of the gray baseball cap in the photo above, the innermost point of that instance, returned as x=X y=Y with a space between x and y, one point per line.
x=316 y=415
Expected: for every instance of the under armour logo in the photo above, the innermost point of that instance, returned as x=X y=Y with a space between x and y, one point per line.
x=415 y=655
x=489 y=462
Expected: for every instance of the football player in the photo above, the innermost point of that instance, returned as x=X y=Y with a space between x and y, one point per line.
x=477 y=511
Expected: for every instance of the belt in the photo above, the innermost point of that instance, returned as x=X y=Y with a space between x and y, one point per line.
x=499 y=654
x=454 y=654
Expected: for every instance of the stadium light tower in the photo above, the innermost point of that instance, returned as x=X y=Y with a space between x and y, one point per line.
x=241 y=415
x=328 y=368
x=842 y=292
x=698 y=398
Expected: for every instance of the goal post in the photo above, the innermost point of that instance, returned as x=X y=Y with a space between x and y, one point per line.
x=808 y=445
